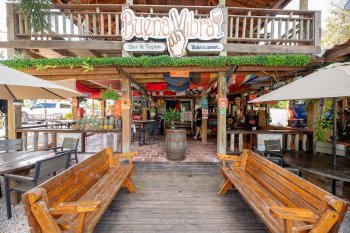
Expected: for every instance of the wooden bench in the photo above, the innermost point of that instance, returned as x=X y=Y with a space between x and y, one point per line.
x=75 y=200
x=283 y=201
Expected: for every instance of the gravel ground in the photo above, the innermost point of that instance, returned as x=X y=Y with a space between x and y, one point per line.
x=18 y=222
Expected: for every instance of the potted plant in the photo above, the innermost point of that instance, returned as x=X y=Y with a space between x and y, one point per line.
x=170 y=117
x=110 y=96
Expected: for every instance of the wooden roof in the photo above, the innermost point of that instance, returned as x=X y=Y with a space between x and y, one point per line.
x=268 y=4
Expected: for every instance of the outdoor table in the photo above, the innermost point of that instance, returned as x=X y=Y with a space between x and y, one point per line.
x=20 y=163
x=144 y=127
x=320 y=165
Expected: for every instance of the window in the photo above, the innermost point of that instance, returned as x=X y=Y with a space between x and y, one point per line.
x=45 y=105
x=65 y=106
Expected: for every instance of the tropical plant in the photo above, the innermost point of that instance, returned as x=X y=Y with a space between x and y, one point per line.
x=337 y=30
x=170 y=116
x=68 y=116
x=37 y=12
x=109 y=94
x=323 y=125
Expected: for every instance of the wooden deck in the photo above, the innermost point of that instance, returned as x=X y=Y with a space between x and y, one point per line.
x=178 y=197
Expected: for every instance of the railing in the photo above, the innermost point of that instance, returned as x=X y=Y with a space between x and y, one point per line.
x=242 y=25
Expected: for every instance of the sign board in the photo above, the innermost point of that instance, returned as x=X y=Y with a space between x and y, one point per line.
x=179 y=73
x=203 y=103
x=204 y=113
x=222 y=111
x=223 y=103
x=205 y=47
x=125 y=104
x=144 y=47
x=176 y=29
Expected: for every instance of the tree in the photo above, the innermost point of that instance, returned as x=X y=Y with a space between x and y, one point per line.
x=337 y=27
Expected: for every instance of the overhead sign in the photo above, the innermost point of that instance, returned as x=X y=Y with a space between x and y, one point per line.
x=179 y=73
x=223 y=103
x=205 y=113
x=177 y=28
x=144 y=47
x=203 y=103
x=205 y=47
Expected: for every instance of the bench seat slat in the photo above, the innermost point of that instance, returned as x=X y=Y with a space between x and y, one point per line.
x=282 y=188
x=104 y=190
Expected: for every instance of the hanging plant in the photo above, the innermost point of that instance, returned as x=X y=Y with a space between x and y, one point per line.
x=109 y=94
x=37 y=13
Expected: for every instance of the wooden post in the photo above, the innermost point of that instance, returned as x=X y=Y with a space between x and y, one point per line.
x=296 y=142
x=46 y=140
x=232 y=142
x=240 y=142
x=204 y=122
x=126 y=117
x=11 y=27
x=315 y=117
x=11 y=120
x=75 y=105
x=35 y=141
x=304 y=142
x=25 y=140
x=54 y=139
x=103 y=108
x=221 y=125
x=289 y=140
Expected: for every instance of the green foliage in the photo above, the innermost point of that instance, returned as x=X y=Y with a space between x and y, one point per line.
x=322 y=125
x=280 y=105
x=337 y=27
x=157 y=61
x=37 y=12
x=68 y=116
x=109 y=94
x=171 y=115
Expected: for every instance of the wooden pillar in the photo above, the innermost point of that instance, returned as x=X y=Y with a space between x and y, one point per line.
x=315 y=117
x=75 y=106
x=11 y=27
x=221 y=118
x=232 y=142
x=35 y=141
x=25 y=140
x=126 y=117
x=103 y=108
x=11 y=120
x=204 y=122
x=304 y=4
x=46 y=140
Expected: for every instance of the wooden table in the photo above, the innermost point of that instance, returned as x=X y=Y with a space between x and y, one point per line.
x=144 y=126
x=20 y=163
x=54 y=132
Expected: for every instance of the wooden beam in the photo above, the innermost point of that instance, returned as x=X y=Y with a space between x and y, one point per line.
x=126 y=117
x=129 y=77
x=277 y=49
x=221 y=126
x=82 y=77
x=154 y=70
x=156 y=80
x=11 y=120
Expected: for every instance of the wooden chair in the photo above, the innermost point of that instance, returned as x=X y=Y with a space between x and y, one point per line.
x=44 y=170
x=283 y=201
x=75 y=200
x=273 y=148
x=69 y=144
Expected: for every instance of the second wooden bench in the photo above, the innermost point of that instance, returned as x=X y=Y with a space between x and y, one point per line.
x=76 y=199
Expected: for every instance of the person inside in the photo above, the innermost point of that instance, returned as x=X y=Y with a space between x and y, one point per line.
x=198 y=121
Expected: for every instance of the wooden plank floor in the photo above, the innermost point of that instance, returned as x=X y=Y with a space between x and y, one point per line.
x=179 y=197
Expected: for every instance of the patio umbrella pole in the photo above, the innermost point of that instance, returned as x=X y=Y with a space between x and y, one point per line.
x=334 y=140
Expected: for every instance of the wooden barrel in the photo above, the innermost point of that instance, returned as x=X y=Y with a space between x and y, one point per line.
x=176 y=144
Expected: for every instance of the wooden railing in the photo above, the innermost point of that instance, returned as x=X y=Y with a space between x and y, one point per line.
x=242 y=25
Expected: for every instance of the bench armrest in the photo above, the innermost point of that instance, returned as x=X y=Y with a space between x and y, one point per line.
x=75 y=207
x=19 y=178
x=54 y=148
x=287 y=213
x=128 y=155
x=224 y=158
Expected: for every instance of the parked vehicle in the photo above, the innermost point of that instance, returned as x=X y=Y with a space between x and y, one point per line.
x=54 y=108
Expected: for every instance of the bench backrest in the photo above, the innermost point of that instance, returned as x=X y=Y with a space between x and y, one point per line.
x=272 y=145
x=71 y=184
x=292 y=190
x=11 y=145
x=70 y=143
x=47 y=168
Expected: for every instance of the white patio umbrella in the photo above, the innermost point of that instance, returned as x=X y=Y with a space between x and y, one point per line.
x=331 y=81
x=18 y=85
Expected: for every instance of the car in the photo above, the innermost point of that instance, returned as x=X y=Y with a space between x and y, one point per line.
x=53 y=108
